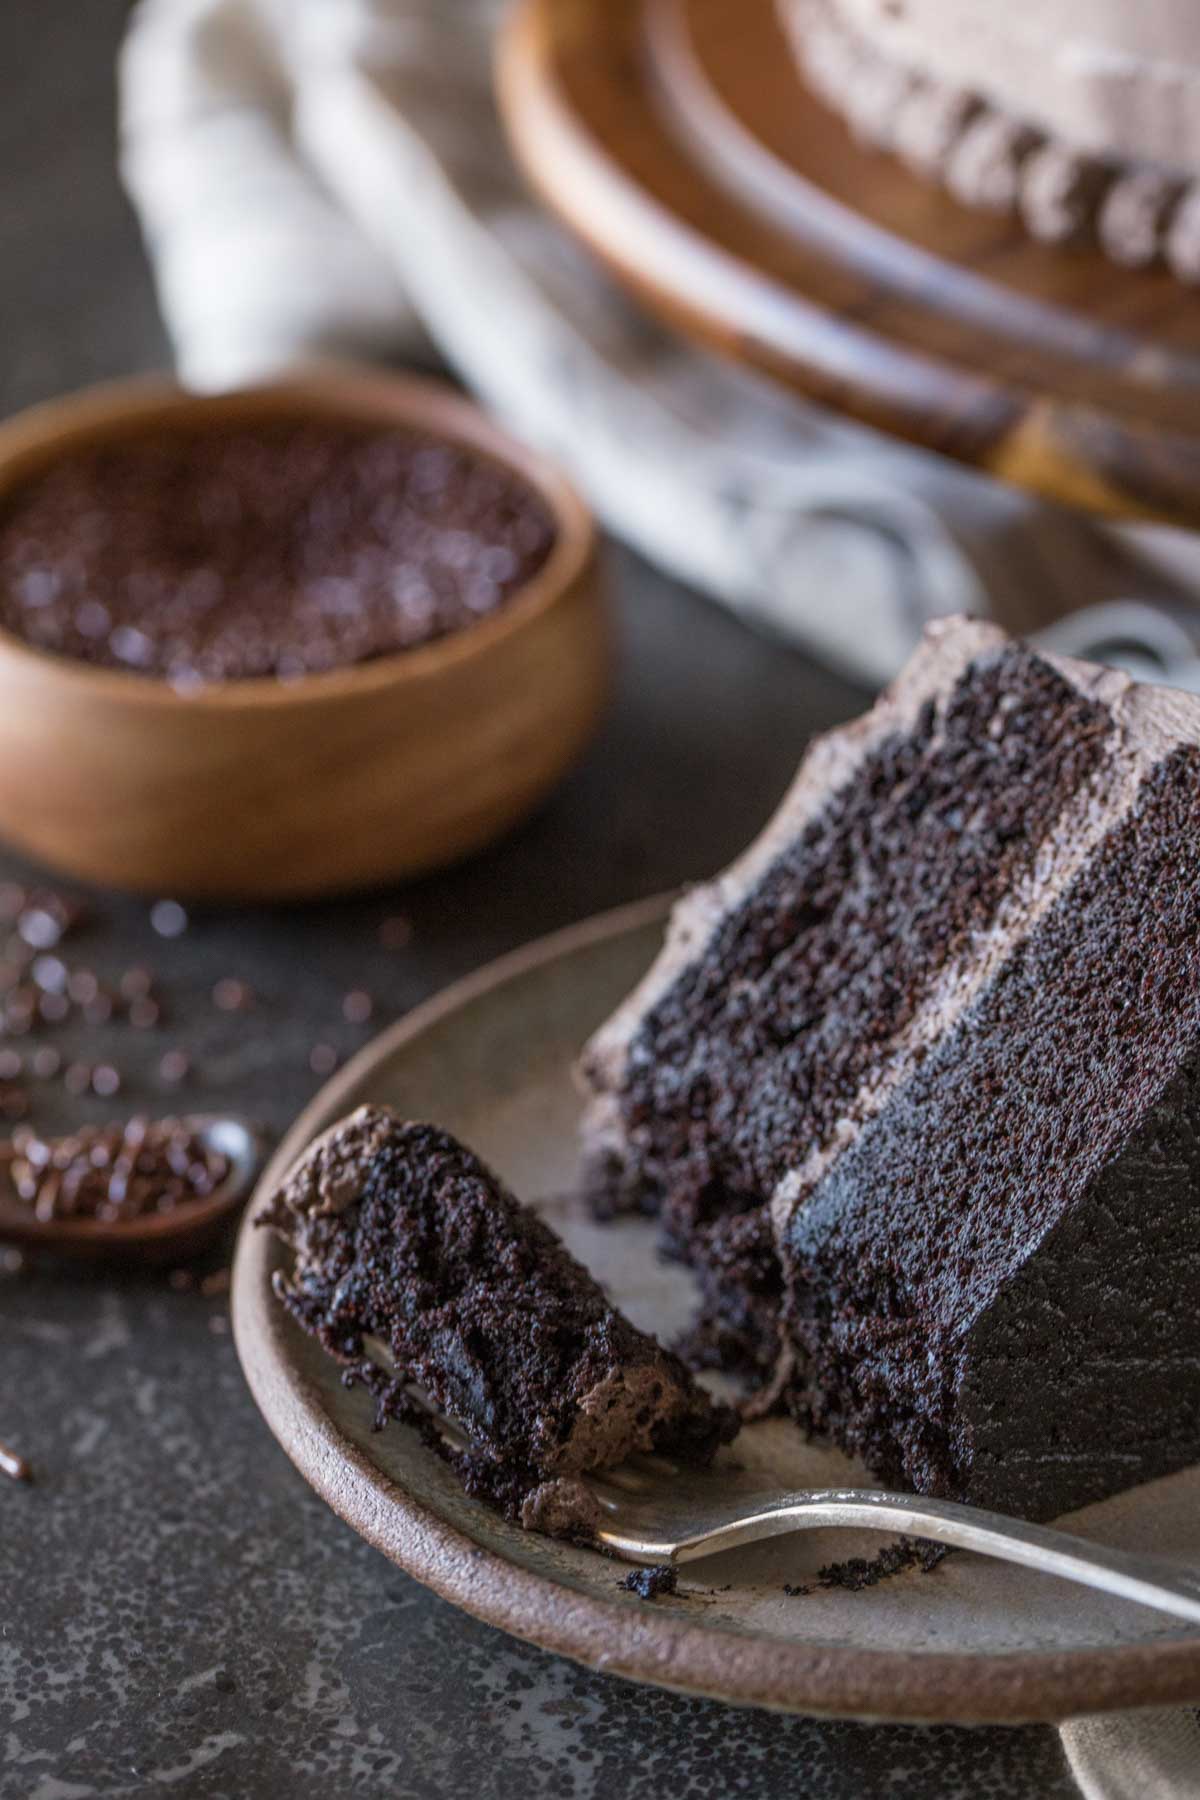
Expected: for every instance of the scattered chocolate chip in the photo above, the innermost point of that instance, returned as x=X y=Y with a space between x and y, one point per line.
x=136 y=984
x=78 y=1078
x=82 y=986
x=50 y=974
x=39 y=928
x=174 y=1066
x=396 y=932
x=650 y=1583
x=168 y=918
x=14 y=1466
x=46 y=918
x=19 y=1010
x=230 y=995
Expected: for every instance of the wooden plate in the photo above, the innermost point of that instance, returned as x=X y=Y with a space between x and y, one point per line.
x=492 y=1060
x=676 y=138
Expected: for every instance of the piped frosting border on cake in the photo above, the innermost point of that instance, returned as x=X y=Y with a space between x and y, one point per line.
x=1137 y=213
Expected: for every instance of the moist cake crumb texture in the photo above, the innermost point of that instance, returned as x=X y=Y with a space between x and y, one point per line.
x=404 y=1238
x=914 y=1089
x=995 y=1290
x=917 y=1094
x=759 y=1047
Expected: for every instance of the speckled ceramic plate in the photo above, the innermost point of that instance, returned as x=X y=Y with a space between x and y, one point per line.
x=491 y=1059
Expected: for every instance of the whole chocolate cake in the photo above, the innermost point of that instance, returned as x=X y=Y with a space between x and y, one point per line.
x=1080 y=117
x=415 y=1267
x=914 y=1086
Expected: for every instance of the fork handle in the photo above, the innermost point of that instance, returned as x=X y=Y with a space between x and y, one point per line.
x=1149 y=1580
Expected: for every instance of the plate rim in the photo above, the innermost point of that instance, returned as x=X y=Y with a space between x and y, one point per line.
x=610 y=1636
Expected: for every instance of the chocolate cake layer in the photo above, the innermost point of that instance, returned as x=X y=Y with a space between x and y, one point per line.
x=746 y=1053
x=404 y=1239
x=995 y=1289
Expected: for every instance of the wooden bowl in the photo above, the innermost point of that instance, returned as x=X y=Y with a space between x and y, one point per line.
x=269 y=789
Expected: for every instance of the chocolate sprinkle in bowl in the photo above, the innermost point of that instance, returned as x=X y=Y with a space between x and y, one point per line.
x=295 y=639
x=147 y=1190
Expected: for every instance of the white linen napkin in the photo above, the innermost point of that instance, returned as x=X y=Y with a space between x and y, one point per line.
x=327 y=178
x=314 y=177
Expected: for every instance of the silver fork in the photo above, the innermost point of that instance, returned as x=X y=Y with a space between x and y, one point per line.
x=660 y=1512
x=664 y=1512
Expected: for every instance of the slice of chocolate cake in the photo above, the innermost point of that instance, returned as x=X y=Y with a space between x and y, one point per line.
x=996 y=1287
x=786 y=985
x=406 y=1244
x=911 y=1085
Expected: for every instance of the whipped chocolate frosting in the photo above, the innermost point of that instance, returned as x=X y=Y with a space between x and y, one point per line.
x=1082 y=116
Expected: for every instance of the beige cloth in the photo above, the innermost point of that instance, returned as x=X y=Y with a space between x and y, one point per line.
x=314 y=176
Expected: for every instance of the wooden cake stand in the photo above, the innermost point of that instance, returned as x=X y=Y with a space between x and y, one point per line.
x=676 y=138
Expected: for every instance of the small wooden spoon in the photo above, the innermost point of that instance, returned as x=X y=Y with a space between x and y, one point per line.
x=151 y=1237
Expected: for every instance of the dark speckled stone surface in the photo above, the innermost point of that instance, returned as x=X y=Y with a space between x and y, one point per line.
x=179 y=1613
